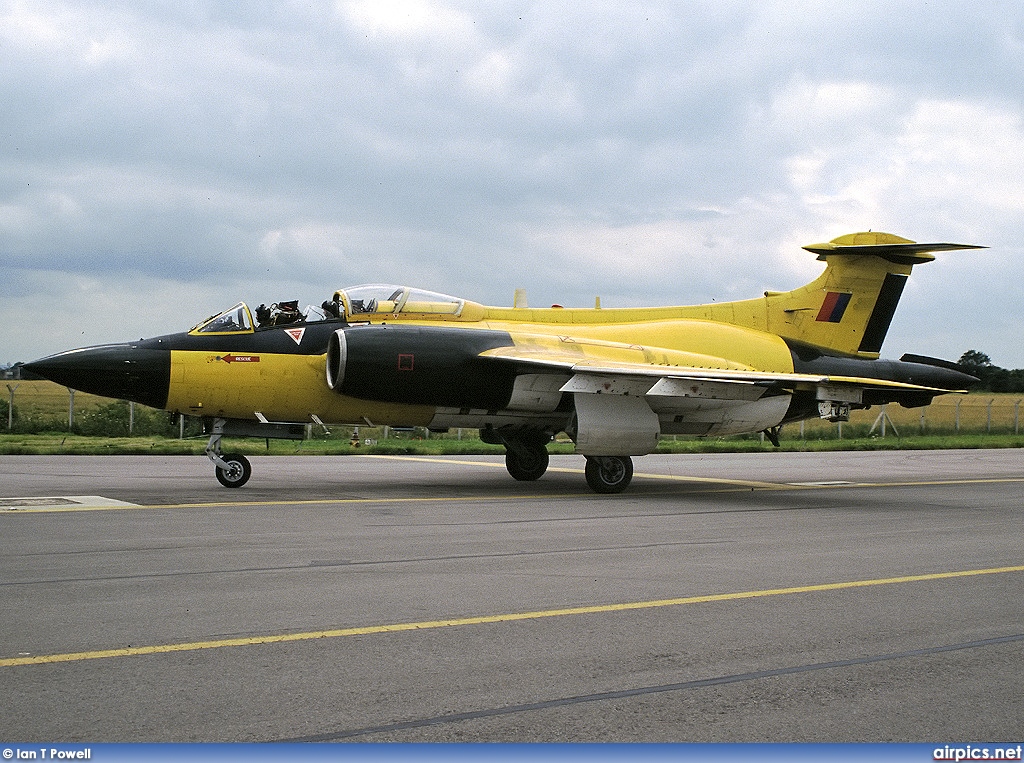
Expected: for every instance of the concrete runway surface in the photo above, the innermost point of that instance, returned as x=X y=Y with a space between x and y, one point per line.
x=761 y=597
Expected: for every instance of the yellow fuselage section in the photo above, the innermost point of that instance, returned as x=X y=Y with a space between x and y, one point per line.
x=293 y=387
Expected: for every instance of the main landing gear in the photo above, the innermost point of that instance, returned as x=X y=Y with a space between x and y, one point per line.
x=526 y=452
x=526 y=458
x=526 y=461
x=609 y=474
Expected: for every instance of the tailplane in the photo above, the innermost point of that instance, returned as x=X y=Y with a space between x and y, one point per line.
x=848 y=308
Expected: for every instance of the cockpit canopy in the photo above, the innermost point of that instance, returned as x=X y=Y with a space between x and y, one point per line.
x=235 y=320
x=380 y=299
x=357 y=303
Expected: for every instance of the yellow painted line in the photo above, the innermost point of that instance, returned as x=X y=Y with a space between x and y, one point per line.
x=752 y=484
x=755 y=484
x=488 y=619
x=670 y=477
x=65 y=509
x=292 y=502
x=727 y=485
x=724 y=482
x=932 y=483
x=465 y=462
x=434 y=460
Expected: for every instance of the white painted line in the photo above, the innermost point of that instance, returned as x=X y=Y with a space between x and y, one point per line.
x=60 y=503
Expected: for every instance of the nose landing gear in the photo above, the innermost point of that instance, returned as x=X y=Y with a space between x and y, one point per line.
x=232 y=470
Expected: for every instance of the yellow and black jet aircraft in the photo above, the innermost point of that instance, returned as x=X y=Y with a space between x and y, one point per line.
x=614 y=380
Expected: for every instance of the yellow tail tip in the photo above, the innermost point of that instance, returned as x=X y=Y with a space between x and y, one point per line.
x=865 y=238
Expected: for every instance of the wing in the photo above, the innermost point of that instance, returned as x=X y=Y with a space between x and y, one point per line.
x=686 y=380
x=622 y=404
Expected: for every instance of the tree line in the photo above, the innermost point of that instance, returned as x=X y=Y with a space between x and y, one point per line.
x=992 y=377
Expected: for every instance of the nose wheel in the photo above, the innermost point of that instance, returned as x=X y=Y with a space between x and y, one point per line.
x=609 y=474
x=235 y=472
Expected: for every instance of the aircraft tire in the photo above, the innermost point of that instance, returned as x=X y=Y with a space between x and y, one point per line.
x=609 y=474
x=527 y=464
x=238 y=472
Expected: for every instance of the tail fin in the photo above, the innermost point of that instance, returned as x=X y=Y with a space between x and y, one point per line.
x=849 y=307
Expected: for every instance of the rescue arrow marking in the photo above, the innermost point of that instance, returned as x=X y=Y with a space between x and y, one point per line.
x=240 y=358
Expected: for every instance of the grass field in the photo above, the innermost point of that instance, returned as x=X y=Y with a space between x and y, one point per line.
x=952 y=421
x=44 y=399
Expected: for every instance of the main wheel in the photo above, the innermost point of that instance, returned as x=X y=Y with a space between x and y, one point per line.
x=237 y=473
x=526 y=463
x=609 y=474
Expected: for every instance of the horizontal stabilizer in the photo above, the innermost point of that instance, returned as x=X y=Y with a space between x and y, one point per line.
x=886 y=246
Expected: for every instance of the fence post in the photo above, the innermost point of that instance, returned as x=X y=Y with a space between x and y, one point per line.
x=988 y=417
x=958 y=401
x=1016 y=417
x=10 y=407
x=883 y=417
x=71 y=409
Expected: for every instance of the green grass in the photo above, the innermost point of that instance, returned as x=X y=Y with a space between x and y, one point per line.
x=58 y=443
x=979 y=420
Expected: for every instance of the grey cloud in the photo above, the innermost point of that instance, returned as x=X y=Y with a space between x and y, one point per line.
x=655 y=152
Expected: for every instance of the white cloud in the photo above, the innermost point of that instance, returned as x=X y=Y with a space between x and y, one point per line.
x=647 y=152
x=949 y=167
x=967 y=149
x=406 y=18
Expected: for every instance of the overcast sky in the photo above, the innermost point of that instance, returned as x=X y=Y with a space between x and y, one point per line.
x=161 y=160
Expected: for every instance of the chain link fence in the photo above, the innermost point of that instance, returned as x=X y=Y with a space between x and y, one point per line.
x=44 y=406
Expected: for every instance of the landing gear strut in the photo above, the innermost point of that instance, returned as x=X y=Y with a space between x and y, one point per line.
x=609 y=474
x=232 y=470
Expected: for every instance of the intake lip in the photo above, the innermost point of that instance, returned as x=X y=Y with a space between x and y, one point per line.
x=337 y=358
x=121 y=371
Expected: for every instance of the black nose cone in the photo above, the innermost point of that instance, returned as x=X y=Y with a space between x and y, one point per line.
x=121 y=371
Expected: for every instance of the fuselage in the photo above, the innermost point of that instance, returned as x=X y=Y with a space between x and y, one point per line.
x=416 y=368
x=613 y=380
